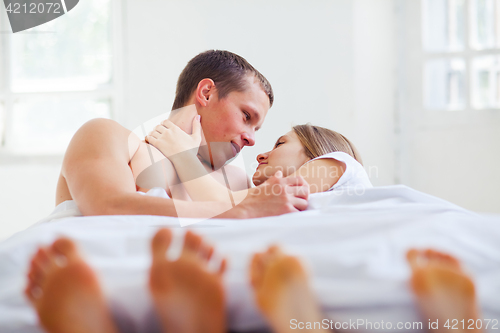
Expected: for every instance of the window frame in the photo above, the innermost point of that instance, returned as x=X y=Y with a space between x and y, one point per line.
x=412 y=119
x=468 y=54
x=114 y=92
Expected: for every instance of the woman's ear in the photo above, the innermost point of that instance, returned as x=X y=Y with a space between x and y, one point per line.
x=205 y=91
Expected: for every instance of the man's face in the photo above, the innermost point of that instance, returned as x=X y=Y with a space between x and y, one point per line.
x=229 y=124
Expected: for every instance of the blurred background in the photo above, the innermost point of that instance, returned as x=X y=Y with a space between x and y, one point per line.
x=414 y=84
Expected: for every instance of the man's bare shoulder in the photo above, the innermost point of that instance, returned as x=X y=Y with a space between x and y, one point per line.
x=104 y=139
x=102 y=128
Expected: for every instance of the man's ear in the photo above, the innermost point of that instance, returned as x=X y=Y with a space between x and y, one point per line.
x=205 y=91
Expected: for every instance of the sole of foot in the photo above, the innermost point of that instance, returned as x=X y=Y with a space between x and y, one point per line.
x=282 y=291
x=65 y=291
x=443 y=291
x=188 y=296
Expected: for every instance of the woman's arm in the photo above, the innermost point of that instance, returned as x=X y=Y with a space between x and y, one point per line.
x=181 y=149
x=201 y=185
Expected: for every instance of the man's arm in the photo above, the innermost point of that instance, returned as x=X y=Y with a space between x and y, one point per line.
x=101 y=183
x=96 y=166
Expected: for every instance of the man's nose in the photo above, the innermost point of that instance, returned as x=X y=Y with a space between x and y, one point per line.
x=248 y=138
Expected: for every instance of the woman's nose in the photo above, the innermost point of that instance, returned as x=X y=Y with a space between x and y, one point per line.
x=261 y=157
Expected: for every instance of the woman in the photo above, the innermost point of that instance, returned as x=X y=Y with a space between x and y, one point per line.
x=324 y=158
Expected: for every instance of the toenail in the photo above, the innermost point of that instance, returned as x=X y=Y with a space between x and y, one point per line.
x=61 y=261
x=36 y=292
x=421 y=261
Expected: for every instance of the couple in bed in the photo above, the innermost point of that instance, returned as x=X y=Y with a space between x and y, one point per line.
x=221 y=100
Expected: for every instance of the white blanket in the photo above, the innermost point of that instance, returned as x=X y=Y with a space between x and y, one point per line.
x=353 y=244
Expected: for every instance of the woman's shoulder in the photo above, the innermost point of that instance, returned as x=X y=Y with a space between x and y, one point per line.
x=335 y=170
x=322 y=174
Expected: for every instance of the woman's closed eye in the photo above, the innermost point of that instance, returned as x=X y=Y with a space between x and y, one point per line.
x=277 y=144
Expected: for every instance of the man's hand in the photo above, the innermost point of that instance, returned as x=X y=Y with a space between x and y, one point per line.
x=277 y=196
x=171 y=140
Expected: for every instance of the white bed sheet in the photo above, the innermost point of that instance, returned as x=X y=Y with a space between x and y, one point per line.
x=353 y=244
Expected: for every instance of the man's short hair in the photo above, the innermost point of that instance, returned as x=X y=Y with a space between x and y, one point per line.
x=226 y=69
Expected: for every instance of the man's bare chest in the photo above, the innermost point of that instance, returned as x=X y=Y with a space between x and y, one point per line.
x=150 y=169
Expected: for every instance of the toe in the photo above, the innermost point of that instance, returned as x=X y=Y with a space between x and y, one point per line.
x=420 y=259
x=36 y=273
x=432 y=255
x=42 y=257
x=448 y=260
x=160 y=243
x=28 y=292
x=271 y=255
x=192 y=242
x=453 y=262
x=412 y=257
x=256 y=270
x=64 y=247
x=33 y=293
x=206 y=251
x=273 y=249
x=222 y=267
x=39 y=266
x=442 y=259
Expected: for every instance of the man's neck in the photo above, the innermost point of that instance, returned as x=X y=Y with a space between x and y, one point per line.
x=183 y=117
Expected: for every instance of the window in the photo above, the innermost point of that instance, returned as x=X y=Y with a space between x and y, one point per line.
x=461 y=45
x=57 y=76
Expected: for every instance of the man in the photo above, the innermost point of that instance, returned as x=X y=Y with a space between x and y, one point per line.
x=103 y=160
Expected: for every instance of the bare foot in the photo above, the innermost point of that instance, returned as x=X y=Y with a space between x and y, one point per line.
x=282 y=291
x=443 y=291
x=188 y=297
x=65 y=291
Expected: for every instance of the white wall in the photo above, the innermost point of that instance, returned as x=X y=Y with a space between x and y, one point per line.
x=374 y=97
x=330 y=63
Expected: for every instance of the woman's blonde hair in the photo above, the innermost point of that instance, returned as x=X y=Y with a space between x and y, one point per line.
x=319 y=141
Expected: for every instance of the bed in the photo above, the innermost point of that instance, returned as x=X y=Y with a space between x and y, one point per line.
x=352 y=243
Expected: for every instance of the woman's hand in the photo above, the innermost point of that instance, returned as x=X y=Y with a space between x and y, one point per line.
x=171 y=140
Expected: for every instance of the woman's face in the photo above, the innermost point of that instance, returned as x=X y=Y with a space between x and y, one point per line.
x=288 y=155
